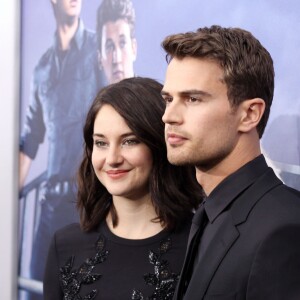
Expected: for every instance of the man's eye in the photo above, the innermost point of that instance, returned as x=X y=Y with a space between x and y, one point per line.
x=109 y=47
x=192 y=99
x=122 y=44
x=168 y=99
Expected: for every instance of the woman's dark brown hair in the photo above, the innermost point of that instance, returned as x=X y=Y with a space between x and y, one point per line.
x=174 y=190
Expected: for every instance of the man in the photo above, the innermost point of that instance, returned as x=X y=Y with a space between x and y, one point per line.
x=65 y=81
x=244 y=241
x=117 y=46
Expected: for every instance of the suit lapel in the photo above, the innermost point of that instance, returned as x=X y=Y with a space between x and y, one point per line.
x=192 y=233
x=244 y=204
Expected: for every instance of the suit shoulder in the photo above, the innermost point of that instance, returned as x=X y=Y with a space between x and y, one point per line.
x=277 y=263
x=278 y=207
x=292 y=191
x=285 y=195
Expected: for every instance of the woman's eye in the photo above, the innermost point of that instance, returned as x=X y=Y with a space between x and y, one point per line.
x=131 y=142
x=100 y=144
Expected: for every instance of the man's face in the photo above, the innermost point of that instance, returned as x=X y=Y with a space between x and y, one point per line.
x=118 y=51
x=68 y=8
x=201 y=127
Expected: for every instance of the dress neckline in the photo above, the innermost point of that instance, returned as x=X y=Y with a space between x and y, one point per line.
x=104 y=229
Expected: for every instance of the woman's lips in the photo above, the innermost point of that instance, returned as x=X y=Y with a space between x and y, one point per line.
x=116 y=174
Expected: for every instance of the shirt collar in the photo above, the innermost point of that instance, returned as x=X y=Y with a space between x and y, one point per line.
x=77 y=40
x=233 y=185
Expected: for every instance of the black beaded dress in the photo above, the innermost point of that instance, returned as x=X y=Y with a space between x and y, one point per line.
x=100 y=265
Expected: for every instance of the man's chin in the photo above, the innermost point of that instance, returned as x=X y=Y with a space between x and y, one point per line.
x=118 y=76
x=177 y=160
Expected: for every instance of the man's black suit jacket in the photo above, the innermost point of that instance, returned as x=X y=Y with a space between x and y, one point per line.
x=256 y=254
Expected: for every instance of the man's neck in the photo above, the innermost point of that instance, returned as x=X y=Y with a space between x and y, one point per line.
x=66 y=30
x=210 y=178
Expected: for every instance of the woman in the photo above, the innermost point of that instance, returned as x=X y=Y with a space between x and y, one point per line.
x=135 y=208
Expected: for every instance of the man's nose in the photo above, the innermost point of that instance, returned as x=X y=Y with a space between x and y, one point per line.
x=117 y=57
x=173 y=113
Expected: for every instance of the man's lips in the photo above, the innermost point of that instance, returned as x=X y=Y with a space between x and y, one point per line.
x=118 y=73
x=175 y=139
x=73 y=2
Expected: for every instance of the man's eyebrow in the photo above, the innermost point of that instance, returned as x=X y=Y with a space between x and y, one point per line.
x=164 y=93
x=108 y=41
x=194 y=92
x=188 y=92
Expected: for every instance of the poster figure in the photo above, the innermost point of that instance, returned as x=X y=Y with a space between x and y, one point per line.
x=283 y=144
x=117 y=46
x=65 y=81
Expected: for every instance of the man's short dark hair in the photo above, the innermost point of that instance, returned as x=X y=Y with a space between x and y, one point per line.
x=113 y=10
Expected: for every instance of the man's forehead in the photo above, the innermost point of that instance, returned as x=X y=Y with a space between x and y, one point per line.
x=189 y=74
x=117 y=25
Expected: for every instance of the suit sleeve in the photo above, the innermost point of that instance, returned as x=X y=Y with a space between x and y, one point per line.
x=275 y=273
x=52 y=288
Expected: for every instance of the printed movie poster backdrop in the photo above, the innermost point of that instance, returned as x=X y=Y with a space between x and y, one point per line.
x=64 y=64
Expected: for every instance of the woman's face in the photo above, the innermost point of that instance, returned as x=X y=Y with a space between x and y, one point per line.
x=121 y=162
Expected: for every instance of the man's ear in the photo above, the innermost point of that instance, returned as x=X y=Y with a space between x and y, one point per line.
x=134 y=48
x=251 y=112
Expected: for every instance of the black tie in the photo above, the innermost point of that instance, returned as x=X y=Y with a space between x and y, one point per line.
x=199 y=221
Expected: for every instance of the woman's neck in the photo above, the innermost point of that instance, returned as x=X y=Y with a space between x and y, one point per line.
x=135 y=218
